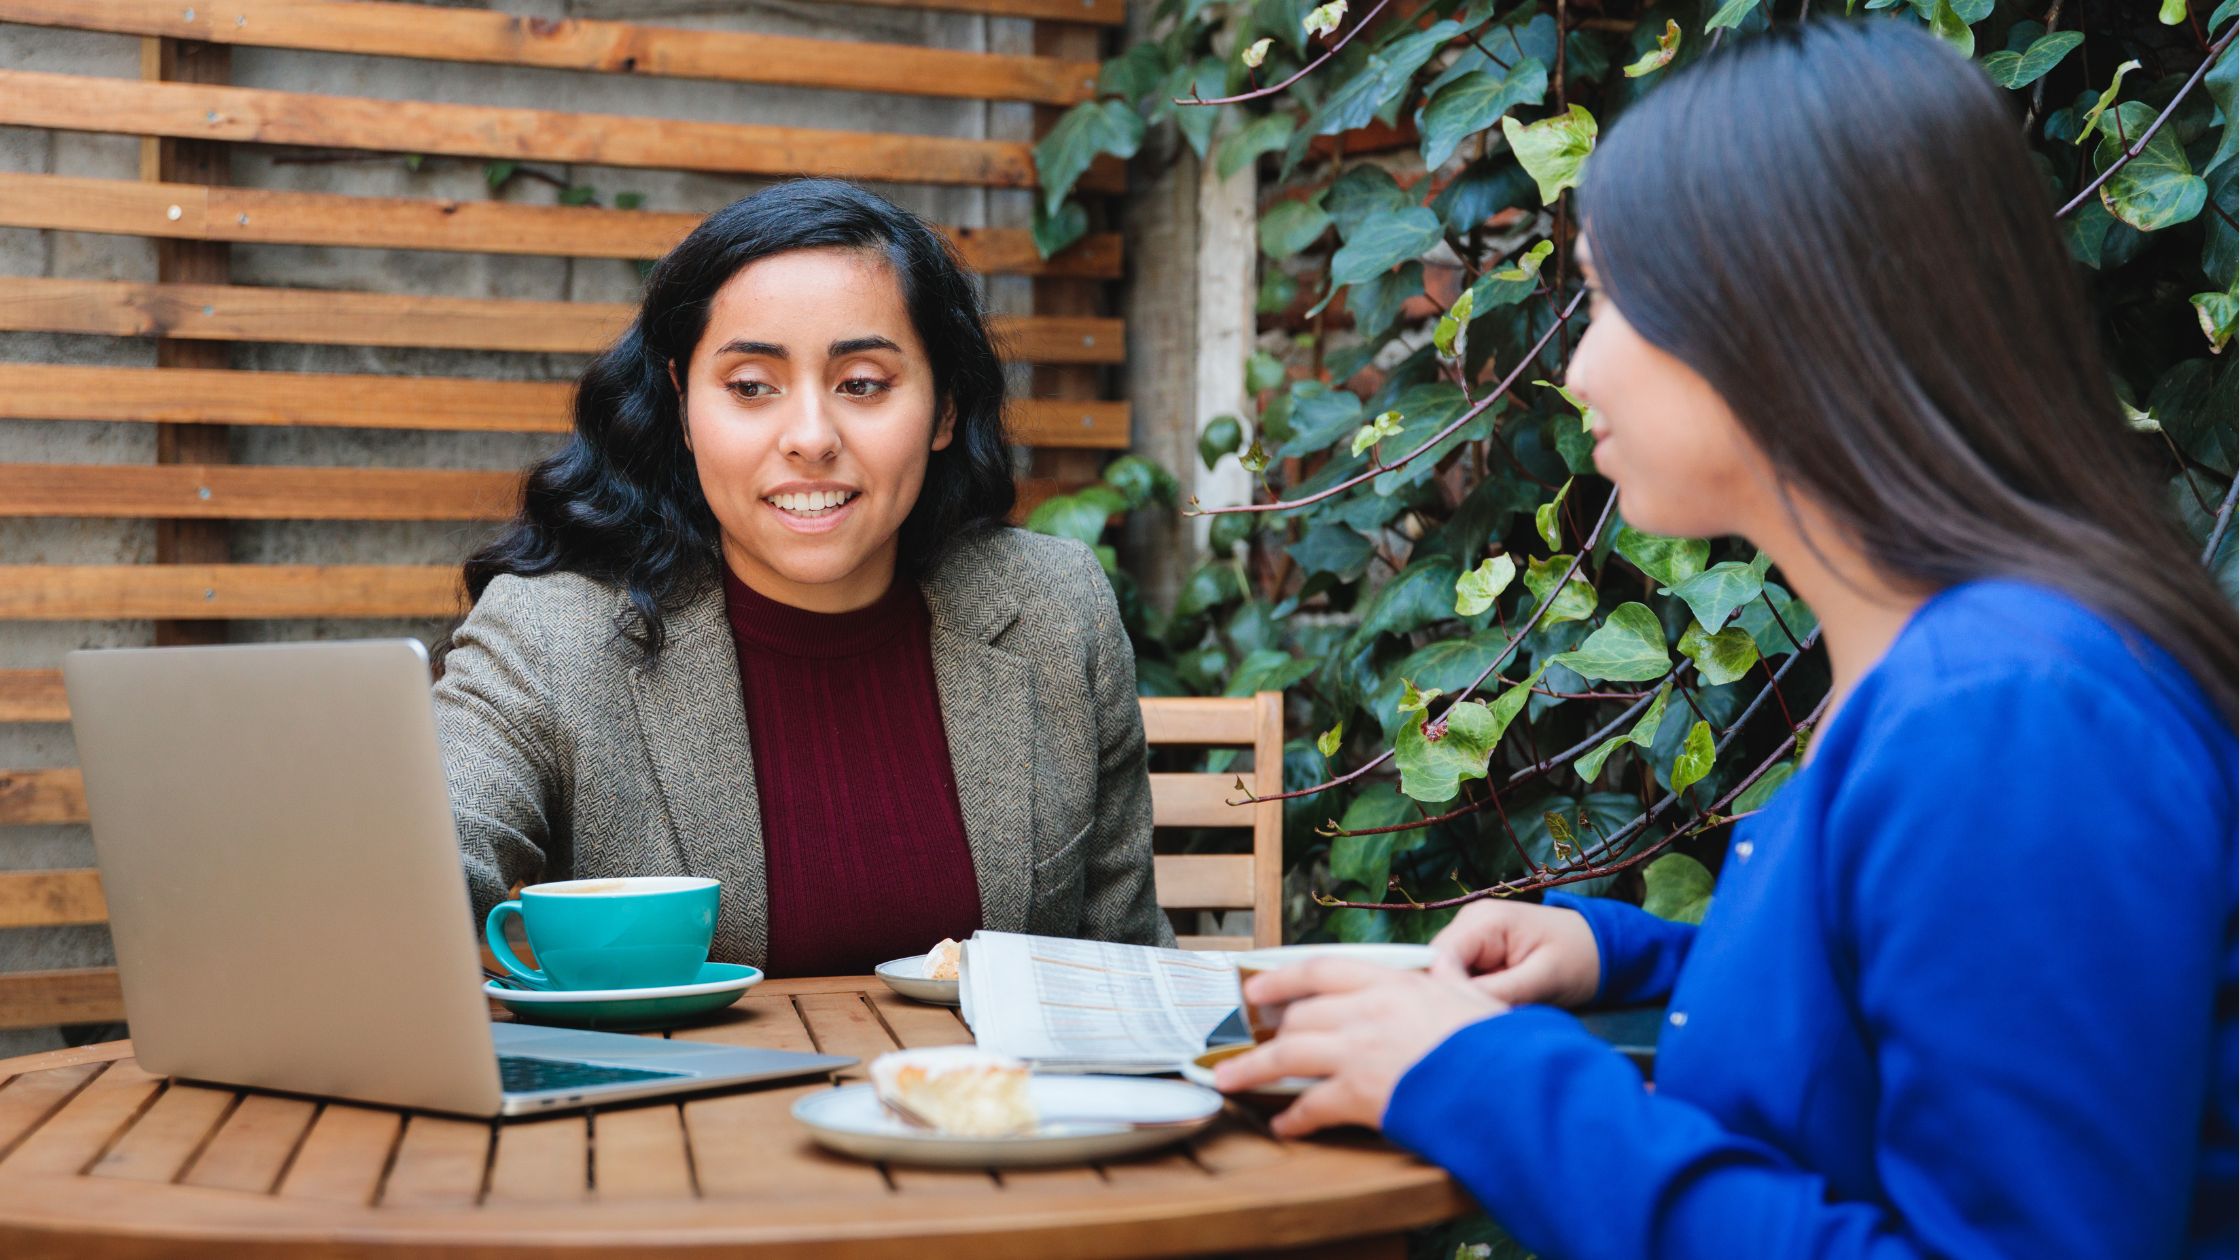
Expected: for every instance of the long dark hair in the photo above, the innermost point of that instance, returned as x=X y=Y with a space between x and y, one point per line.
x=1837 y=225
x=621 y=501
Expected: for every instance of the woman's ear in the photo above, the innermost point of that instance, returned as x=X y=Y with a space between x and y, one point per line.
x=683 y=421
x=946 y=431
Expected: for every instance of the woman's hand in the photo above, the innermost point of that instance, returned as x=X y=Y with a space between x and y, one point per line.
x=1359 y=1026
x=1520 y=954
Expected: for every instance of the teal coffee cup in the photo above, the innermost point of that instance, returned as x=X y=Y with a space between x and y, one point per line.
x=635 y=933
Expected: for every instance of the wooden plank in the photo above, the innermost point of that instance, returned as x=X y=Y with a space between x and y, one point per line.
x=639 y=1154
x=1214 y=942
x=1197 y=800
x=36 y=797
x=217 y=312
x=234 y=492
x=1267 y=819
x=746 y=1146
x=75 y=1136
x=343 y=1156
x=226 y=591
x=161 y=1143
x=1203 y=881
x=406 y=30
x=1191 y=719
x=70 y=102
x=51 y=898
x=541 y=1161
x=28 y=1100
x=263 y=216
x=74 y=995
x=844 y=1023
x=52 y=391
x=1093 y=12
x=440 y=1162
x=33 y=695
x=251 y=1149
x=917 y=1024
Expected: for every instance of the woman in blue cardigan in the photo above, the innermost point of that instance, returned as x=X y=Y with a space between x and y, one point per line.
x=1967 y=987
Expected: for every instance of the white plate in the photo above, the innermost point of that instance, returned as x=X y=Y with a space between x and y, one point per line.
x=907 y=976
x=1090 y=1116
x=1284 y=1087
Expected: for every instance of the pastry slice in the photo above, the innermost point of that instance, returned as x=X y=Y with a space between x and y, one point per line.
x=959 y=1090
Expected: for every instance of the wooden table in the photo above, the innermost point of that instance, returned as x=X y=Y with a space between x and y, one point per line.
x=99 y=1158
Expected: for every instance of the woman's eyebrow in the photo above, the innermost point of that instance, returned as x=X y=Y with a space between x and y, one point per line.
x=766 y=349
x=854 y=345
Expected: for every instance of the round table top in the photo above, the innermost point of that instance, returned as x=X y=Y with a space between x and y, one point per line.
x=100 y=1158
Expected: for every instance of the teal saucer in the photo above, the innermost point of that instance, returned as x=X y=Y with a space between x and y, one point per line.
x=718 y=985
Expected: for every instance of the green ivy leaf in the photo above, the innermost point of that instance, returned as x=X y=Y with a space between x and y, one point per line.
x=1577 y=600
x=1511 y=284
x=1628 y=647
x=1262 y=372
x=1267 y=669
x=629 y=200
x=1268 y=133
x=1554 y=149
x=1586 y=413
x=1290 y=226
x=1720 y=658
x=1670 y=561
x=1140 y=481
x=1677 y=887
x=1766 y=632
x=1133 y=74
x=1754 y=797
x=1659 y=57
x=1451 y=664
x=1643 y=734
x=1413 y=700
x=1419 y=595
x=2020 y=70
x=1547 y=518
x=1448 y=334
x=1053 y=232
x=496 y=174
x=1386 y=74
x=1950 y=27
x=1215 y=583
x=1221 y=435
x=1714 y=594
x=1083 y=132
x=1729 y=15
x=1694 y=761
x=2158 y=188
x=2107 y=98
x=1332 y=548
x=1475 y=591
x=1384 y=242
x=2173 y=12
x=1069 y=516
x=1327 y=742
x=2216 y=311
x=1432 y=770
x=1469 y=105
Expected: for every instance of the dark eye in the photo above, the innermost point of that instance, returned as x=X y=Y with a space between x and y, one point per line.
x=745 y=389
x=862 y=387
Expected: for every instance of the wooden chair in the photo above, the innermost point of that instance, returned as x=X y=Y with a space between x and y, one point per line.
x=1252 y=880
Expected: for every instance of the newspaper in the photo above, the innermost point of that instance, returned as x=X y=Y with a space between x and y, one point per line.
x=1092 y=1006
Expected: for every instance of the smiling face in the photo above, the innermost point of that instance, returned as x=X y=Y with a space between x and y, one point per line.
x=1681 y=461
x=811 y=413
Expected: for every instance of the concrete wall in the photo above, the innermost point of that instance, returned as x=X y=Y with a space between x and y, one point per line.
x=40 y=645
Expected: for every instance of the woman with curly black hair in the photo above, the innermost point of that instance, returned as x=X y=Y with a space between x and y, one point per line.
x=760 y=620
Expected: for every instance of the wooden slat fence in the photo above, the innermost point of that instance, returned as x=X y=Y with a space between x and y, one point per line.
x=186 y=207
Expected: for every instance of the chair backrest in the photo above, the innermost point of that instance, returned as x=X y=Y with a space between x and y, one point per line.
x=1252 y=880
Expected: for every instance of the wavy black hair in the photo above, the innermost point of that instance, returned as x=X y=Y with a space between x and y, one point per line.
x=621 y=501
x=1783 y=218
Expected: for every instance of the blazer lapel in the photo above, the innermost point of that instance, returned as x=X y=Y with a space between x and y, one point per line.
x=694 y=724
x=987 y=713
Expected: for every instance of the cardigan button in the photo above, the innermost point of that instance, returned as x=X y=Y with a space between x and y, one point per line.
x=1742 y=851
x=1678 y=1019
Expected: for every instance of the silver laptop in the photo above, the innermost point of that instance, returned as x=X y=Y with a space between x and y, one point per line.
x=285 y=890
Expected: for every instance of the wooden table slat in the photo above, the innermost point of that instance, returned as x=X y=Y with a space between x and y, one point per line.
x=441 y=1161
x=344 y=1155
x=252 y=1148
x=541 y=1161
x=639 y=1154
x=167 y=1136
x=843 y=1023
x=917 y=1024
x=747 y=1146
x=75 y=1136
x=27 y=1100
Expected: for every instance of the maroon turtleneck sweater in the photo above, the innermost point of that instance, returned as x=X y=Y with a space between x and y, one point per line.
x=863 y=841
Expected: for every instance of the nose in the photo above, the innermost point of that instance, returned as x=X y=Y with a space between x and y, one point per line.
x=809 y=434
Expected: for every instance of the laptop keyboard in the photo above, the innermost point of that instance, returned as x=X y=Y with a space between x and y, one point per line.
x=521 y=1074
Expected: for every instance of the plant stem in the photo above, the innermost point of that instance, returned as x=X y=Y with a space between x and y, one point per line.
x=2139 y=146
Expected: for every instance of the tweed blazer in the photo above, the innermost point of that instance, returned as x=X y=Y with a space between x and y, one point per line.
x=569 y=757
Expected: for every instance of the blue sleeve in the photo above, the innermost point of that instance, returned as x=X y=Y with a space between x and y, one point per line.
x=1640 y=953
x=2034 y=902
